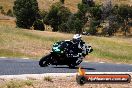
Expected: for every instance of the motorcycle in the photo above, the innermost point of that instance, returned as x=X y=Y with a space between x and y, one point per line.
x=63 y=53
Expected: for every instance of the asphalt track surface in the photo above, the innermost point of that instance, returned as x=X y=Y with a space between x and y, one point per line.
x=11 y=66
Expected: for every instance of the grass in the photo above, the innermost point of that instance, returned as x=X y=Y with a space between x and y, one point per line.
x=11 y=53
x=15 y=42
x=17 y=84
x=48 y=78
x=116 y=49
x=28 y=82
x=14 y=84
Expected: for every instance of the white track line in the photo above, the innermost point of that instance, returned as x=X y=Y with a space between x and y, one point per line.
x=101 y=62
x=37 y=76
x=20 y=58
x=41 y=76
x=25 y=58
x=3 y=57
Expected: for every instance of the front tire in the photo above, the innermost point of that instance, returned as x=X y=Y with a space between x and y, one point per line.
x=75 y=63
x=44 y=61
x=72 y=66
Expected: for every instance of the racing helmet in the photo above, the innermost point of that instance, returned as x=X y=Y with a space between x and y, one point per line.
x=77 y=37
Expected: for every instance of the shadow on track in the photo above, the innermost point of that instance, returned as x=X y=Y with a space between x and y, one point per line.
x=77 y=68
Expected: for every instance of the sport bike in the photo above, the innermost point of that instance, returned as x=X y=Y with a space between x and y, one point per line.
x=66 y=53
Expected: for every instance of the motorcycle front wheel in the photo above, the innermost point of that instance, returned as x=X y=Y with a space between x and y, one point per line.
x=71 y=66
x=75 y=63
x=45 y=61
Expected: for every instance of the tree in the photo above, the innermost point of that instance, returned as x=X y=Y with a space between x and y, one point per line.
x=52 y=19
x=78 y=25
x=95 y=12
x=109 y=18
x=125 y=16
x=38 y=25
x=26 y=12
x=93 y=27
x=1 y=7
x=73 y=25
x=3 y=11
x=106 y=9
x=9 y=13
x=90 y=3
x=57 y=15
x=69 y=25
x=94 y=18
x=43 y=13
x=62 y=1
x=75 y=22
x=81 y=14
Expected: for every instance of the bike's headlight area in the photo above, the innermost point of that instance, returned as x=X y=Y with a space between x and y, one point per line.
x=56 y=49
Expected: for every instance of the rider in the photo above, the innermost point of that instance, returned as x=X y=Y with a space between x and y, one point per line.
x=77 y=40
x=77 y=44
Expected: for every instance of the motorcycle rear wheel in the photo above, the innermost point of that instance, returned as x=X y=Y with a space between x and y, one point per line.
x=45 y=61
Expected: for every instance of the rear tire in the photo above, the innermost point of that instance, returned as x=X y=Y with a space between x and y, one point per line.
x=44 y=61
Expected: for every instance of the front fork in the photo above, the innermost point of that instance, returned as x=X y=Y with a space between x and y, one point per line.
x=79 y=60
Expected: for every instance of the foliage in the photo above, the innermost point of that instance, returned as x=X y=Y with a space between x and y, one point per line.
x=28 y=82
x=3 y=11
x=95 y=12
x=52 y=19
x=105 y=18
x=76 y=25
x=114 y=17
x=125 y=15
x=26 y=12
x=94 y=16
x=62 y=1
x=14 y=84
x=1 y=7
x=93 y=25
x=90 y=3
x=38 y=25
x=75 y=22
x=43 y=13
x=106 y=9
x=81 y=14
x=9 y=13
x=48 y=78
x=57 y=16
x=69 y=25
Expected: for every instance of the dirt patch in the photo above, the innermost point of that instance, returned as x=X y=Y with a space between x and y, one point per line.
x=7 y=20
